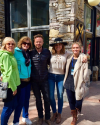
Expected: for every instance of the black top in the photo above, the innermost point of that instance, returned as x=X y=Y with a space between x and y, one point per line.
x=40 y=62
x=69 y=83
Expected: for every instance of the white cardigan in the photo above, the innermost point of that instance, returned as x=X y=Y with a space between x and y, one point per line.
x=80 y=75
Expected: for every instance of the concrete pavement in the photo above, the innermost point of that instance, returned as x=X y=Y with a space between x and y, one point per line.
x=90 y=111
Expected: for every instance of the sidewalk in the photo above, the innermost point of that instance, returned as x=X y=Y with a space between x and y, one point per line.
x=90 y=112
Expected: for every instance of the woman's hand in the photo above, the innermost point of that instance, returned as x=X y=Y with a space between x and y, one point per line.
x=15 y=92
x=84 y=59
x=0 y=78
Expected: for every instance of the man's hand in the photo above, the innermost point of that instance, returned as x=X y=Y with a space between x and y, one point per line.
x=15 y=92
x=84 y=59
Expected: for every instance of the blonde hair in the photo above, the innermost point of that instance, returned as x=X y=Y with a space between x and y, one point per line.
x=78 y=43
x=23 y=39
x=5 y=41
x=53 y=51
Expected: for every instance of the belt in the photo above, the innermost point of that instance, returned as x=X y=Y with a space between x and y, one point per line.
x=25 y=80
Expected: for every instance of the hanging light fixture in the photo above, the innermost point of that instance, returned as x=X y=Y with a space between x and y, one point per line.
x=93 y=2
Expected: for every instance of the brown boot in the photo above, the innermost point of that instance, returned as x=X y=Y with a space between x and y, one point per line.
x=74 y=114
x=40 y=121
x=53 y=118
x=48 y=122
x=58 y=120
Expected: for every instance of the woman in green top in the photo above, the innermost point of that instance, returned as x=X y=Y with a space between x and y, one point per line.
x=10 y=74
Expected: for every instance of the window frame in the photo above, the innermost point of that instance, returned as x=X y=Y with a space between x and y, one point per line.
x=29 y=28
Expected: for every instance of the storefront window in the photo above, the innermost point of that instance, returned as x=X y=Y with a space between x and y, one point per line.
x=88 y=49
x=88 y=19
x=39 y=12
x=98 y=23
x=17 y=36
x=18 y=13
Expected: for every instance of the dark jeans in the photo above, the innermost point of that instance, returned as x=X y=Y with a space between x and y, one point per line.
x=8 y=108
x=37 y=89
x=23 y=103
x=73 y=103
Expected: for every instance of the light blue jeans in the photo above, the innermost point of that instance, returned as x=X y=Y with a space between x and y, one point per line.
x=58 y=80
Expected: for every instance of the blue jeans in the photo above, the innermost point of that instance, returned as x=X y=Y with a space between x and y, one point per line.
x=23 y=103
x=8 y=108
x=58 y=80
x=73 y=103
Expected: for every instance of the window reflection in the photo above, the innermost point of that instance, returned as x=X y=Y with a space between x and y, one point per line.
x=88 y=51
x=19 y=13
x=39 y=12
x=88 y=19
x=98 y=23
x=17 y=35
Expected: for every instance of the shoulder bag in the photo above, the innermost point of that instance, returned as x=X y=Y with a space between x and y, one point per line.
x=3 y=90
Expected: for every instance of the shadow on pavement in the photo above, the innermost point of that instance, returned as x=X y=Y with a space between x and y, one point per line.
x=90 y=113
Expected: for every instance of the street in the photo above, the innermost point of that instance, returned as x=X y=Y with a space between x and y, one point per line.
x=90 y=111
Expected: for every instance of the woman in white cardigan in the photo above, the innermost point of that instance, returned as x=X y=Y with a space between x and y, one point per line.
x=74 y=81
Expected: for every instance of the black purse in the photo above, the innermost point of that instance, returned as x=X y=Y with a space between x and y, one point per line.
x=3 y=90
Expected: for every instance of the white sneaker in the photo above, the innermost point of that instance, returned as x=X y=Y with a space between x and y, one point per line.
x=27 y=120
x=17 y=123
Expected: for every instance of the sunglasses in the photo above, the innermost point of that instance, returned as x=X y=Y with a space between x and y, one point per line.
x=26 y=43
x=10 y=44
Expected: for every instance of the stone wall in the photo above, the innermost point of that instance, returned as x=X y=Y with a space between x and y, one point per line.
x=62 y=16
x=2 y=21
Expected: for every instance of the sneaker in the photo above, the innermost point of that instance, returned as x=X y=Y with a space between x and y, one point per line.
x=40 y=121
x=27 y=120
x=48 y=122
x=17 y=123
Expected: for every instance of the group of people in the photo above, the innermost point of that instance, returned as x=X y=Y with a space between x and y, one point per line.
x=23 y=67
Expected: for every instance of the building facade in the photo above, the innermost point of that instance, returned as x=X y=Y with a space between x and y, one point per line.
x=2 y=21
x=72 y=20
